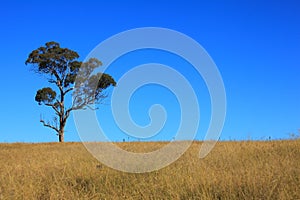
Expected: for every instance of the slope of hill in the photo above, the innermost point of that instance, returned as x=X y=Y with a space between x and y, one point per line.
x=233 y=170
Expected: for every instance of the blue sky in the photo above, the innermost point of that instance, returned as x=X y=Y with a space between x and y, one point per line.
x=255 y=44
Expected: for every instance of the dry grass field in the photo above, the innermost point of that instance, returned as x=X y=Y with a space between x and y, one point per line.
x=233 y=170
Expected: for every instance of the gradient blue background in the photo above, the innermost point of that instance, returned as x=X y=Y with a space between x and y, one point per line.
x=255 y=44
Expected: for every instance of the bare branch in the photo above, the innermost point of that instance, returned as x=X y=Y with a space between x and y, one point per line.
x=49 y=125
x=68 y=90
x=51 y=81
x=68 y=112
x=54 y=108
x=88 y=105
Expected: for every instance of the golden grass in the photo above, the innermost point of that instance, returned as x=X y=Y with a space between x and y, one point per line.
x=233 y=170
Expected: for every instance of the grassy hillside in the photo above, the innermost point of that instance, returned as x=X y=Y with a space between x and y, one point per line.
x=233 y=170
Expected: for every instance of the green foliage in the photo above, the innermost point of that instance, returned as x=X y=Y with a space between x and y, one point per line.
x=89 y=87
x=45 y=95
x=52 y=59
x=63 y=68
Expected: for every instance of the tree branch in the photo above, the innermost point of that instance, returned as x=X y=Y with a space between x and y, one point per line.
x=51 y=81
x=68 y=90
x=48 y=125
x=59 y=80
x=68 y=112
x=54 y=108
x=56 y=75
x=86 y=102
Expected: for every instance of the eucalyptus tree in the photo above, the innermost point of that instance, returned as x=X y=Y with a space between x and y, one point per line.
x=61 y=67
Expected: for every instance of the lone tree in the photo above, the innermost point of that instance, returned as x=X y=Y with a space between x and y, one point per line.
x=61 y=68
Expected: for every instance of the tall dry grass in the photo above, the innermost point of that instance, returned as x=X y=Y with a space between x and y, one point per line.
x=233 y=170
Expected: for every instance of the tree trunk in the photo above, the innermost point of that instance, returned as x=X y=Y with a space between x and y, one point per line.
x=61 y=132
x=61 y=137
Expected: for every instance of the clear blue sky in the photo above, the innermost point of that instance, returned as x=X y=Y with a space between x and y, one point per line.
x=255 y=44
